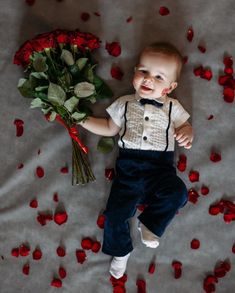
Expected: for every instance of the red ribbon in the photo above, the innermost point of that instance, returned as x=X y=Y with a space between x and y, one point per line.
x=72 y=132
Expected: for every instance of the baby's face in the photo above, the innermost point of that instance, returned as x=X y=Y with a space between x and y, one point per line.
x=155 y=75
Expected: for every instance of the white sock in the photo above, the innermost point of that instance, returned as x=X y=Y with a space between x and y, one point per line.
x=147 y=237
x=118 y=266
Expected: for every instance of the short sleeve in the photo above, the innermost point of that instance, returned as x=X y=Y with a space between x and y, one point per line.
x=116 y=111
x=179 y=114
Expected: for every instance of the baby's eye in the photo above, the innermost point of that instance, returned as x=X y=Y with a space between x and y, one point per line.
x=159 y=77
x=143 y=71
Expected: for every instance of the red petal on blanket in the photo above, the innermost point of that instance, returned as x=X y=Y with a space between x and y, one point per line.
x=19 y=127
x=42 y=218
x=55 y=197
x=177 y=273
x=33 y=204
x=26 y=268
x=81 y=256
x=194 y=176
x=204 y=190
x=60 y=218
x=181 y=166
x=193 y=195
x=141 y=285
x=85 y=16
x=39 y=152
x=163 y=11
x=37 y=254
x=233 y=248
x=224 y=79
x=190 y=34
x=228 y=61
x=114 y=48
x=96 y=13
x=209 y=288
x=40 y=172
x=229 y=217
x=228 y=70
x=152 y=267
x=87 y=243
x=56 y=283
x=228 y=94
x=24 y=250
x=220 y=271
x=185 y=59
x=30 y=2
x=62 y=273
x=214 y=210
x=210 y=117
x=176 y=264
x=64 y=170
x=119 y=289
x=201 y=48
x=96 y=246
x=109 y=173
x=215 y=157
x=116 y=73
x=210 y=280
x=195 y=244
x=20 y=166
x=15 y=252
x=61 y=251
x=207 y=74
x=198 y=71
x=129 y=19
x=100 y=221
x=118 y=282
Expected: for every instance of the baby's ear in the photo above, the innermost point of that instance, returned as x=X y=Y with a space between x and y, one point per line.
x=173 y=86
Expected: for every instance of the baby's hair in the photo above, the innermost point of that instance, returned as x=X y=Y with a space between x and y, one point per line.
x=166 y=49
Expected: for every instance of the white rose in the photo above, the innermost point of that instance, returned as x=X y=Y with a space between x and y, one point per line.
x=84 y=89
x=67 y=57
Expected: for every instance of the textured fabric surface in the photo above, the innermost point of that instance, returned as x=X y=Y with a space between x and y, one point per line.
x=213 y=23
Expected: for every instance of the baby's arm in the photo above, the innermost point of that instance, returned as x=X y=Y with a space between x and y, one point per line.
x=101 y=126
x=184 y=135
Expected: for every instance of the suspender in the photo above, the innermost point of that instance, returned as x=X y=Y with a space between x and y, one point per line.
x=124 y=132
x=168 y=126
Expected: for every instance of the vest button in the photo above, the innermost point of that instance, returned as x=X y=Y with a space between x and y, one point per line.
x=145 y=138
x=146 y=118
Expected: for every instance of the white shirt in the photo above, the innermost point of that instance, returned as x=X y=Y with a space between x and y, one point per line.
x=147 y=127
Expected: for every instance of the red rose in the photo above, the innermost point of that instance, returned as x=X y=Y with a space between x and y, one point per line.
x=78 y=39
x=61 y=36
x=43 y=41
x=22 y=56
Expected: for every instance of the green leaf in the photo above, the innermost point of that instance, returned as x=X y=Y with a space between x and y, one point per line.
x=37 y=103
x=103 y=90
x=46 y=110
x=98 y=82
x=41 y=88
x=78 y=116
x=105 y=144
x=41 y=96
x=52 y=116
x=61 y=111
x=25 y=88
x=56 y=95
x=39 y=75
x=81 y=62
x=89 y=72
x=39 y=64
x=71 y=103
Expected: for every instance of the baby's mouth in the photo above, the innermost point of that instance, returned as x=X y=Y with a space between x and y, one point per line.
x=145 y=88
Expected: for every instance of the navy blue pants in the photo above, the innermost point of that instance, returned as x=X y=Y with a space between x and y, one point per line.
x=141 y=177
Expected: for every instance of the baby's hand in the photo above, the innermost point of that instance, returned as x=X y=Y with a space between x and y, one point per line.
x=184 y=136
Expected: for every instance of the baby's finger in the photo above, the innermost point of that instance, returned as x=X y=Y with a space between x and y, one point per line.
x=183 y=138
x=178 y=136
x=184 y=142
x=188 y=146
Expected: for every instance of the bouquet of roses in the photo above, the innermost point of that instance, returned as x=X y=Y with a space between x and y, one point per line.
x=60 y=78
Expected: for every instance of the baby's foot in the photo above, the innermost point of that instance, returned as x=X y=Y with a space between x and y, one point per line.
x=147 y=237
x=118 y=266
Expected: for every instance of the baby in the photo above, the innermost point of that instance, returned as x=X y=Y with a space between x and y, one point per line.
x=148 y=123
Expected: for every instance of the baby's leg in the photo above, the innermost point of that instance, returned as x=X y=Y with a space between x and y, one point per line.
x=118 y=266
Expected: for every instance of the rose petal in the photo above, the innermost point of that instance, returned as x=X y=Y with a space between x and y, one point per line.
x=141 y=207
x=56 y=283
x=85 y=16
x=64 y=170
x=61 y=252
x=60 y=218
x=233 y=248
x=96 y=246
x=19 y=127
x=87 y=243
x=163 y=11
x=190 y=34
x=207 y=74
x=185 y=59
x=152 y=267
x=40 y=172
x=210 y=117
x=141 y=285
x=129 y=19
x=100 y=221
x=198 y=71
x=24 y=250
x=176 y=264
x=119 y=289
x=25 y=269
x=15 y=252
x=114 y=48
x=97 y=13
x=121 y=281
x=62 y=273
x=42 y=218
x=55 y=197
x=229 y=217
x=228 y=94
x=33 y=204
x=81 y=256
x=109 y=173
x=228 y=61
x=204 y=190
x=193 y=195
x=39 y=152
x=116 y=73
x=210 y=280
x=195 y=244
x=37 y=254
x=228 y=70
x=215 y=157
x=201 y=48
x=224 y=79
x=182 y=163
x=194 y=176
x=20 y=166
x=214 y=210
x=177 y=273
